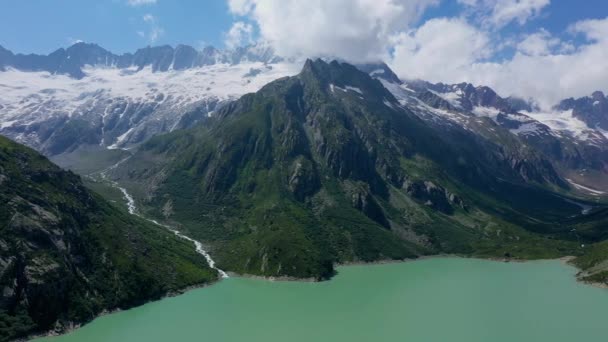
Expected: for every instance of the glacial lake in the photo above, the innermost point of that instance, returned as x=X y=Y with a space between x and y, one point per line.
x=435 y=300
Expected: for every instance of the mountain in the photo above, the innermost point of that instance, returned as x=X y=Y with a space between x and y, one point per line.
x=67 y=255
x=578 y=152
x=592 y=110
x=83 y=105
x=87 y=98
x=329 y=167
x=73 y=60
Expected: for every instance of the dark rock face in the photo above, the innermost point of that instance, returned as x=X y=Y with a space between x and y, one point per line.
x=434 y=100
x=593 y=110
x=433 y=196
x=185 y=57
x=304 y=179
x=519 y=104
x=6 y=58
x=363 y=200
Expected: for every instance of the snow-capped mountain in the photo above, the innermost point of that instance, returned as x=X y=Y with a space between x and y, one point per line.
x=592 y=110
x=85 y=96
x=579 y=149
x=72 y=60
x=92 y=97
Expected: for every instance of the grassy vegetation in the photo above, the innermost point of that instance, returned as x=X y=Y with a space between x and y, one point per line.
x=66 y=254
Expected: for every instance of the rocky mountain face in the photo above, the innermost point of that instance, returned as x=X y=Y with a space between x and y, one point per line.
x=85 y=96
x=66 y=254
x=592 y=110
x=330 y=166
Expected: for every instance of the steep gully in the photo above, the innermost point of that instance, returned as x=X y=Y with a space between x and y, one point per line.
x=132 y=207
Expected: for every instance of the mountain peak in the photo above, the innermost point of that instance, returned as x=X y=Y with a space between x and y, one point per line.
x=313 y=65
x=381 y=71
x=80 y=45
x=598 y=95
x=343 y=76
x=593 y=110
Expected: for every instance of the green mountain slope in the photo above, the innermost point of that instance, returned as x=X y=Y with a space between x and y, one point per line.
x=327 y=167
x=66 y=254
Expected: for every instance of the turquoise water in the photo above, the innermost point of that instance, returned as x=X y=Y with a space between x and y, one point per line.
x=434 y=300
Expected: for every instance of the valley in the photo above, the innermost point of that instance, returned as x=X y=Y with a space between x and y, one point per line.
x=179 y=172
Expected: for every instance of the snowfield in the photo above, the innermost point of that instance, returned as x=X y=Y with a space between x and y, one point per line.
x=124 y=102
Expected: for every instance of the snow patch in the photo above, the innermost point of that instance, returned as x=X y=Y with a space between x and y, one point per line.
x=334 y=87
x=388 y=104
x=584 y=188
x=564 y=121
x=453 y=98
x=355 y=89
x=377 y=72
x=120 y=139
x=526 y=128
x=6 y=124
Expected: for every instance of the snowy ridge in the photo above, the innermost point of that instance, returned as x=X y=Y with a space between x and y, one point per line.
x=123 y=107
x=556 y=123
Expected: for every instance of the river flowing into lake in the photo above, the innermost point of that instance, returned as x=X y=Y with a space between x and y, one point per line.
x=435 y=300
x=132 y=208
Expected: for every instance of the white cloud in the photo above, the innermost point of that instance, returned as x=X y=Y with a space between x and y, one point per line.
x=357 y=30
x=239 y=34
x=593 y=29
x=499 y=13
x=543 y=68
x=506 y=11
x=473 y=47
x=136 y=3
x=155 y=31
x=240 y=7
x=538 y=44
x=441 y=48
x=149 y=18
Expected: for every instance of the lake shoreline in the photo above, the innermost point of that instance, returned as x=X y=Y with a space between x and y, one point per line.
x=566 y=260
x=70 y=327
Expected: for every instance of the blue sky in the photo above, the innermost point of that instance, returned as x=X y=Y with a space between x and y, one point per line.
x=42 y=26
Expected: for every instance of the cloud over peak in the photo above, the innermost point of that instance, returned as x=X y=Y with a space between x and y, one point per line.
x=357 y=30
x=543 y=67
x=488 y=42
